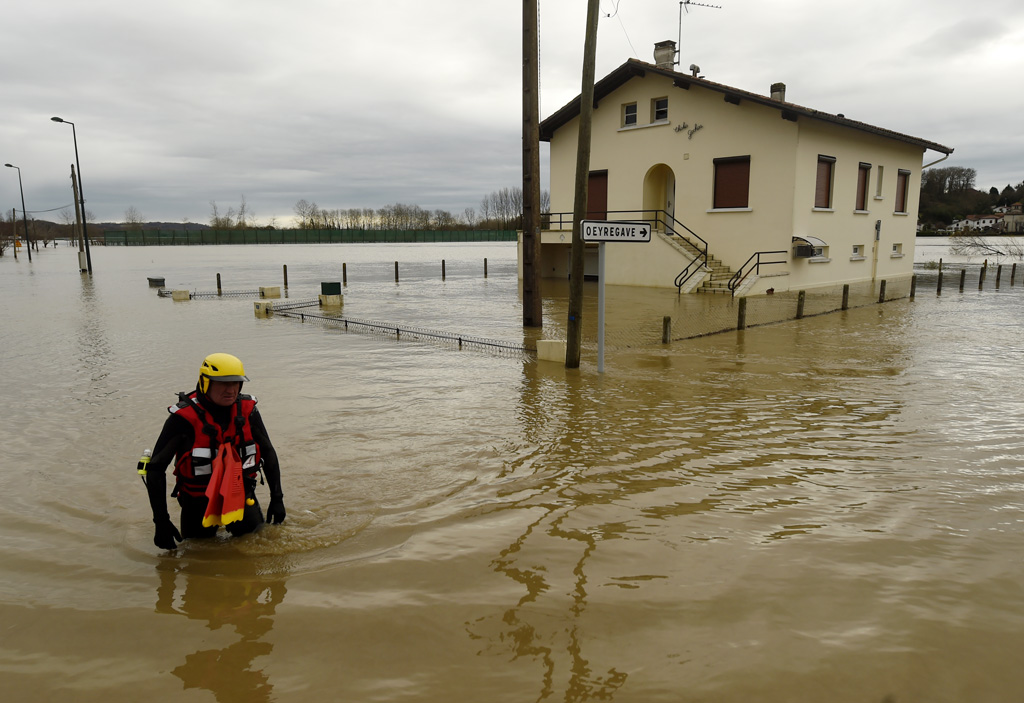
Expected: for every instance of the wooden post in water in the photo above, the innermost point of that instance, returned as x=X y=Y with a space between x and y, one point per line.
x=485 y=267
x=344 y=274
x=981 y=276
x=666 y=329
x=741 y=316
x=938 y=286
x=999 y=274
x=963 y=279
x=286 y=276
x=442 y=270
x=913 y=286
x=396 y=272
x=1013 y=274
x=881 y=291
x=940 y=266
x=801 y=297
x=218 y=284
x=846 y=296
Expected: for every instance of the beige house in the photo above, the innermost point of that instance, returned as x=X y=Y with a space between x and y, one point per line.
x=741 y=188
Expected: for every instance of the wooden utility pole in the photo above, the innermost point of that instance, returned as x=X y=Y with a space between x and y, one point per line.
x=574 y=328
x=532 y=309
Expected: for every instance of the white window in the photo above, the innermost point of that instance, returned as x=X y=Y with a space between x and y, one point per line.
x=629 y=115
x=897 y=250
x=659 y=110
x=858 y=251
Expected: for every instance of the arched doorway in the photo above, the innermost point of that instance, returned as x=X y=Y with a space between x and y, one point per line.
x=660 y=194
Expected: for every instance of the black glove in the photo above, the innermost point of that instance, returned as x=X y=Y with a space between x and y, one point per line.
x=275 y=511
x=166 y=533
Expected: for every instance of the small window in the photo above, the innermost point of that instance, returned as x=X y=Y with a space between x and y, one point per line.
x=902 y=181
x=878 y=182
x=858 y=250
x=820 y=256
x=659 y=110
x=629 y=115
x=863 y=176
x=897 y=249
x=823 y=182
x=732 y=182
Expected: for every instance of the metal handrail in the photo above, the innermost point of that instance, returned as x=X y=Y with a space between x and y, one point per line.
x=741 y=274
x=563 y=220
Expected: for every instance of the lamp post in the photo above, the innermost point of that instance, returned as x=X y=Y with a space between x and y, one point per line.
x=81 y=195
x=24 y=217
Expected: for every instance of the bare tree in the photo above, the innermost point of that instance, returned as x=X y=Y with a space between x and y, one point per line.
x=974 y=244
x=133 y=218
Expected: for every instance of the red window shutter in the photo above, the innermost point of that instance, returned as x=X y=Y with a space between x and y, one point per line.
x=732 y=182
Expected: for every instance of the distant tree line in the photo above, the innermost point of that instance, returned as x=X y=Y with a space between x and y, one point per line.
x=501 y=209
x=949 y=194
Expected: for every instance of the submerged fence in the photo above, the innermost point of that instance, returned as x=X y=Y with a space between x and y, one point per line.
x=164 y=237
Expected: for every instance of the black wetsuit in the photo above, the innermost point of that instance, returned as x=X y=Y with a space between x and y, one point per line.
x=177 y=439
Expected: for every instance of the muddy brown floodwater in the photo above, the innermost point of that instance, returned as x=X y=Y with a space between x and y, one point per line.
x=827 y=509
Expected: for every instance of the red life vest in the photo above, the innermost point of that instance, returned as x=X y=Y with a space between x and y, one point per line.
x=192 y=470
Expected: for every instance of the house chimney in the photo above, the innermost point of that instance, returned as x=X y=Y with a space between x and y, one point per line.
x=779 y=92
x=665 y=54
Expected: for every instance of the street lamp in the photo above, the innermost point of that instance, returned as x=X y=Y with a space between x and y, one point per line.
x=24 y=217
x=81 y=195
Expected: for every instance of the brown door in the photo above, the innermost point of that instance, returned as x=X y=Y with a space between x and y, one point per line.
x=597 y=196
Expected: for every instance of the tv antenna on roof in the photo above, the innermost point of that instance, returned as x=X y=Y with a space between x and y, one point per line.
x=684 y=6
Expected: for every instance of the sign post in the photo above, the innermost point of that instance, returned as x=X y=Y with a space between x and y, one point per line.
x=602 y=232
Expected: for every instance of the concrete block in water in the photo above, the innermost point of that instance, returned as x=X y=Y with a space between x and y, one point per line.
x=551 y=350
x=181 y=295
x=331 y=301
x=263 y=308
x=270 y=291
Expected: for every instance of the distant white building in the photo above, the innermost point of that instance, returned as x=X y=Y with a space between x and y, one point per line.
x=978 y=223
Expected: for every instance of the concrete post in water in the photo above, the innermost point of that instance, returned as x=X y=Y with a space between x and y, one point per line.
x=666 y=329
x=344 y=274
x=881 y=291
x=846 y=296
x=285 y=267
x=913 y=286
x=801 y=297
x=396 y=272
x=218 y=285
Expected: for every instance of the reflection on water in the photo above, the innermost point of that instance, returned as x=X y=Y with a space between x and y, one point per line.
x=828 y=505
x=224 y=597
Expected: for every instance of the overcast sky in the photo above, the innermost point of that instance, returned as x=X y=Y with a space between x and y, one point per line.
x=363 y=104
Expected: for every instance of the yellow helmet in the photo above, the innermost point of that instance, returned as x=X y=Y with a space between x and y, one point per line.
x=220 y=367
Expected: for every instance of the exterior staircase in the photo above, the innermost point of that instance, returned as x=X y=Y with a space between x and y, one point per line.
x=718 y=281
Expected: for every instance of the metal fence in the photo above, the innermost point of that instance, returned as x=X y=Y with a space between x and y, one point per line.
x=294 y=236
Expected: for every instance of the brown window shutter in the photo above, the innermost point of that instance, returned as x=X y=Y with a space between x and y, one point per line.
x=823 y=183
x=901 y=190
x=862 y=186
x=732 y=182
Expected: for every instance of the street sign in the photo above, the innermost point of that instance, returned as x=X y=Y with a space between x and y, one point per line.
x=602 y=231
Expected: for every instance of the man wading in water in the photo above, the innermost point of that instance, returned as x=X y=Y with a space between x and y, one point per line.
x=219 y=441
